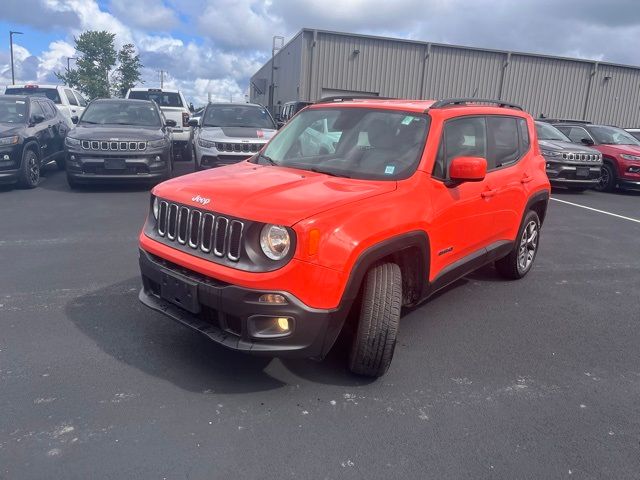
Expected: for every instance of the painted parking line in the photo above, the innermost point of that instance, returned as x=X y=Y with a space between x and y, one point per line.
x=596 y=210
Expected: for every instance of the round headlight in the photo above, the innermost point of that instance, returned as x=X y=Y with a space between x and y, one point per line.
x=275 y=241
x=156 y=208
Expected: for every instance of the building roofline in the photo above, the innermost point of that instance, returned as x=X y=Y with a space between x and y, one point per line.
x=461 y=47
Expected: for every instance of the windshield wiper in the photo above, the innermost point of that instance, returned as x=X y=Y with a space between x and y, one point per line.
x=269 y=160
x=326 y=172
x=90 y=122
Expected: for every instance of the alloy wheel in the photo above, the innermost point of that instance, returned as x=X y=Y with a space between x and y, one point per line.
x=603 y=181
x=34 y=170
x=528 y=246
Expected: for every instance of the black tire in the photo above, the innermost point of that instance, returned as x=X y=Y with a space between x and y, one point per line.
x=29 y=176
x=375 y=339
x=520 y=260
x=608 y=179
x=72 y=183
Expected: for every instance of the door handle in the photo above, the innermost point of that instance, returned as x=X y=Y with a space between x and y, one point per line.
x=526 y=178
x=73 y=110
x=489 y=193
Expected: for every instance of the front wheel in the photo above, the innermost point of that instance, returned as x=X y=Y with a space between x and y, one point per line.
x=520 y=260
x=607 y=180
x=375 y=339
x=29 y=170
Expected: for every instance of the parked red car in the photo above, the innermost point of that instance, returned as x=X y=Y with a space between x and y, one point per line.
x=356 y=206
x=620 y=152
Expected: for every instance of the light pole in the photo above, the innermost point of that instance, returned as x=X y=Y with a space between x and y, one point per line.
x=11 y=34
x=68 y=66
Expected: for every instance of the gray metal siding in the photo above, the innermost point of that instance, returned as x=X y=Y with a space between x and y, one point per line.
x=553 y=86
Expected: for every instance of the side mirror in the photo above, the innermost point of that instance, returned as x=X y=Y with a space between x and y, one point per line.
x=170 y=123
x=467 y=169
x=37 y=118
x=586 y=141
x=74 y=119
x=193 y=122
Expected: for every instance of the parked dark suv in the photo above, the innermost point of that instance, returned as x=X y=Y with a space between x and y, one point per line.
x=620 y=152
x=576 y=167
x=32 y=133
x=117 y=139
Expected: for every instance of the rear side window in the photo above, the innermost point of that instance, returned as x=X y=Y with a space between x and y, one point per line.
x=504 y=143
x=523 y=130
x=36 y=109
x=81 y=100
x=163 y=99
x=71 y=97
x=50 y=93
x=49 y=110
x=462 y=137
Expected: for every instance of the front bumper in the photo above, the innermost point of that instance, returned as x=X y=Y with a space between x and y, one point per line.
x=565 y=174
x=224 y=312
x=83 y=167
x=629 y=184
x=10 y=159
x=212 y=158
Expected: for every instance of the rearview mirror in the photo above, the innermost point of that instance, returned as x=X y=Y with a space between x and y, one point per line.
x=193 y=122
x=467 y=169
x=170 y=123
x=74 y=119
x=586 y=141
x=37 y=118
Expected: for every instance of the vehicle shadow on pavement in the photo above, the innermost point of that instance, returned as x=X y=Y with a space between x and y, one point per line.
x=123 y=328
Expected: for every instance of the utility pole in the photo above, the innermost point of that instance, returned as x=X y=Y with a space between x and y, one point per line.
x=277 y=44
x=161 y=72
x=208 y=97
x=11 y=34
x=68 y=66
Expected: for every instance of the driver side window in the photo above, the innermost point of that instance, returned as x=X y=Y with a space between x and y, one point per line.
x=461 y=137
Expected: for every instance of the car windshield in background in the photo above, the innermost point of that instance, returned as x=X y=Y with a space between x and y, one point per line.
x=13 y=111
x=237 y=116
x=121 y=113
x=351 y=142
x=549 y=132
x=50 y=93
x=163 y=99
x=612 y=136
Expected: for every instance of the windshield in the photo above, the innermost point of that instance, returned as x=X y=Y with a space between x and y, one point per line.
x=237 y=116
x=612 y=136
x=50 y=93
x=121 y=113
x=163 y=99
x=549 y=132
x=13 y=111
x=351 y=142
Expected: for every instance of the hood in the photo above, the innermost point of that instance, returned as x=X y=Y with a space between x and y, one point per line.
x=222 y=133
x=620 y=149
x=8 y=129
x=568 y=147
x=268 y=194
x=114 y=132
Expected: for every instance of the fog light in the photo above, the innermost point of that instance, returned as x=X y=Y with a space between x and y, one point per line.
x=272 y=298
x=73 y=157
x=157 y=159
x=261 y=326
x=6 y=157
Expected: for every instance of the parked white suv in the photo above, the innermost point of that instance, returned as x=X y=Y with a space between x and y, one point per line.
x=69 y=101
x=174 y=107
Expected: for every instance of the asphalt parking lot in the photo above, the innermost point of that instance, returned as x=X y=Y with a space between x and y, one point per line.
x=491 y=379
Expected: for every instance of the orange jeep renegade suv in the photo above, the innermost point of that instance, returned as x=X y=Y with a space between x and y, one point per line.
x=357 y=205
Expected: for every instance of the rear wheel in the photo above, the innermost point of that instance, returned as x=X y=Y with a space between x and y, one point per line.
x=520 y=260
x=29 y=170
x=607 y=180
x=375 y=339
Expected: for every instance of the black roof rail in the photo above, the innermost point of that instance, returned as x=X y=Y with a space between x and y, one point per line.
x=348 y=98
x=563 y=120
x=464 y=101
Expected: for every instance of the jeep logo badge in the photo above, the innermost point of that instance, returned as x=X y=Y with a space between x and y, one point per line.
x=201 y=200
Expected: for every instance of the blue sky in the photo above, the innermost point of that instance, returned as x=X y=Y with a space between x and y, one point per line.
x=214 y=46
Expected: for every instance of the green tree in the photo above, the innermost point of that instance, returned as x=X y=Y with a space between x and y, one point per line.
x=128 y=72
x=97 y=56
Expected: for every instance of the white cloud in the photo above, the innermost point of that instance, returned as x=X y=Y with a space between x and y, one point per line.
x=150 y=15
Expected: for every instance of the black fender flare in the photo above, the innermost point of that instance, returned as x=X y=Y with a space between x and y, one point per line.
x=538 y=197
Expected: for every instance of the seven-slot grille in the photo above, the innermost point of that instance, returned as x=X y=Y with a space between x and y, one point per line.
x=200 y=230
x=585 y=157
x=128 y=145
x=239 y=147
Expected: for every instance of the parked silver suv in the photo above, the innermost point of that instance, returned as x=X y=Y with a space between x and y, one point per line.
x=229 y=133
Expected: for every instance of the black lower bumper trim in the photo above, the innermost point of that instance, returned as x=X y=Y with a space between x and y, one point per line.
x=629 y=184
x=222 y=312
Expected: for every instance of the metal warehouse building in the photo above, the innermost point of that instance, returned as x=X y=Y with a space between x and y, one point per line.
x=317 y=64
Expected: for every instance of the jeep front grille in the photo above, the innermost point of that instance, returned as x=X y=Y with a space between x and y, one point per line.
x=129 y=145
x=239 y=147
x=205 y=231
